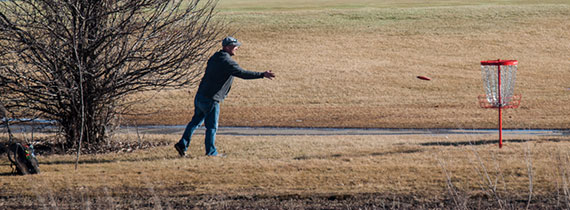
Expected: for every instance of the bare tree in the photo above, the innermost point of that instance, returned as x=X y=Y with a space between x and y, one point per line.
x=74 y=61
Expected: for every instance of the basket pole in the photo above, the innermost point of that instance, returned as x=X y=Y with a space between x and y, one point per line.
x=500 y=128
x=500 y=107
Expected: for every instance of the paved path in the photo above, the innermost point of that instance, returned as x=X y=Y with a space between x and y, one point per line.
x=271 y=131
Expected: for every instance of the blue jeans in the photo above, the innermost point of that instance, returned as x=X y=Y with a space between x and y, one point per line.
x=208 y=111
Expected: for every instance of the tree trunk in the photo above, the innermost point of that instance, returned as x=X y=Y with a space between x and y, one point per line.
x=94 y=125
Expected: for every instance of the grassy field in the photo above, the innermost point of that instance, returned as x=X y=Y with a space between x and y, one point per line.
x=334 y=172
x=354 y=64
x=346 y=63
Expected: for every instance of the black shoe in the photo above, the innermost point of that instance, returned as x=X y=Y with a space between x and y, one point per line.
x=180 y=150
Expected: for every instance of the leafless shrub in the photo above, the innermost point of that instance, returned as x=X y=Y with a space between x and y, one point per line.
x=492 y=180
x=489 y=183
x=74 y=61
x=563 y=160
x=528 y=159
x=459 y=198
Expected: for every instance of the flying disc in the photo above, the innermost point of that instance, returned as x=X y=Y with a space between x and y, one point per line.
x=424 y=78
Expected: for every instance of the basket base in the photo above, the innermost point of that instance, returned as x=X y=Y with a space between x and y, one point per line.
x=514 y=102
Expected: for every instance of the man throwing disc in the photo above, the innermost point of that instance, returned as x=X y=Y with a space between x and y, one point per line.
x=214 y=87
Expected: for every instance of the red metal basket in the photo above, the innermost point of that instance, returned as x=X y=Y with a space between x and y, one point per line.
x=499 y=78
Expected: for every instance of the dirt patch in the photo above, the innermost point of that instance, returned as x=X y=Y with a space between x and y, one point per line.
x=140 y=200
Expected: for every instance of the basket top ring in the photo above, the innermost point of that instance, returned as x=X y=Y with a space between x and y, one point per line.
x=499 y=62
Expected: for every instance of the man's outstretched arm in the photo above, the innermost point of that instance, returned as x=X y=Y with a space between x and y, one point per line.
x=236 y=70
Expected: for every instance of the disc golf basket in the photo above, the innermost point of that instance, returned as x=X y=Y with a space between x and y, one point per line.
x=499 y=78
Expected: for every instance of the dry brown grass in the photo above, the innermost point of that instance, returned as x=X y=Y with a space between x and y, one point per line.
x=261 y=166
x=343 y=66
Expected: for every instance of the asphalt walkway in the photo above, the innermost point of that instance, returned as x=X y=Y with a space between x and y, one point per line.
x=272 y=131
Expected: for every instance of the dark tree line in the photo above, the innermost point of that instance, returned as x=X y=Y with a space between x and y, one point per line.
x=74 y=61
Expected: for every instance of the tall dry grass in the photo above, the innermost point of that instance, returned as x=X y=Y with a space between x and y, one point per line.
x=354 y=64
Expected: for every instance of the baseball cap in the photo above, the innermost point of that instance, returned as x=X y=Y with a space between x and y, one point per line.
x=230 y=41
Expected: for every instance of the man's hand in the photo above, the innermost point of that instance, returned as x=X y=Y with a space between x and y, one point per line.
x=269 y=74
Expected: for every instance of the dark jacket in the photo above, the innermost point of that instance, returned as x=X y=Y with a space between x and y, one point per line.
x=219 y=76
